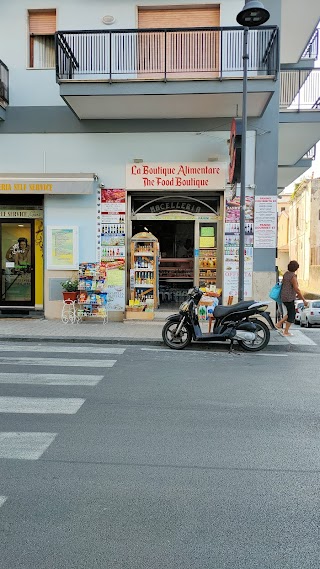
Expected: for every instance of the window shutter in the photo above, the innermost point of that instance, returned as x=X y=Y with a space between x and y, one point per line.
x=201 y=16
x=42 y=23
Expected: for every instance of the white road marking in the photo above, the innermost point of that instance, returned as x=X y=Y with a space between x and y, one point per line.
x=56 y=362
x=55 y=348
x=157 y=349
x=24 y=446
x=49 y=379
x=268 y=355
x=2 y=500
x=65 y=406
x=300 y=339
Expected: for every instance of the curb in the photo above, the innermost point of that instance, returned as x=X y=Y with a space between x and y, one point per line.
x=141 y=342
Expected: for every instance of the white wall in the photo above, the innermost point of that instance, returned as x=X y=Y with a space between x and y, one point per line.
x=105 y=155
x=31 y=87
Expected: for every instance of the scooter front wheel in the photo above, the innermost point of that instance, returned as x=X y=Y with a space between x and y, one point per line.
x=261 y=340
x=172 y=339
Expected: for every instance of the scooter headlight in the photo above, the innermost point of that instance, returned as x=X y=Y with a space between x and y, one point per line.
x=184 y=306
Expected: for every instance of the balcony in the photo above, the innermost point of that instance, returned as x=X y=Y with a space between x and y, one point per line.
x=4 y=89
x=300 y=89
x=299 y=121
x=298 y=22
x=311 y=154
x=199 y=70
x=312 y=49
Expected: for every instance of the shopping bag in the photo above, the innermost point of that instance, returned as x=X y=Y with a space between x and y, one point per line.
x=275 y=293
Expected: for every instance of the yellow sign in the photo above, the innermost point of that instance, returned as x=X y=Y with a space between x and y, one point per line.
x=42 y=188
x=206 y=242
x=115 y=277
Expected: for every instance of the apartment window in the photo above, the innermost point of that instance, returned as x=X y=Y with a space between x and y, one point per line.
x=297 y=217
x=42 y=27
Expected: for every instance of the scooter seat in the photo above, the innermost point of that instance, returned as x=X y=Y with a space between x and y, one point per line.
x=221 y=311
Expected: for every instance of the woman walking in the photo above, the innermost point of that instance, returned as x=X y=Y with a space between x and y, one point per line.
x=289 y=291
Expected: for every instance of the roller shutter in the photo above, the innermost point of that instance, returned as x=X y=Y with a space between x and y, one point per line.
x=188 y=54
x=42 y=23
x=197 y=17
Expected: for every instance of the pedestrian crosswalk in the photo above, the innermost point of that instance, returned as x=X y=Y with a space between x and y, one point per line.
x=54 y=362
x=21 y=371
x=26 y=446
x=60 y=405
x=49 y=379
x=2 y=500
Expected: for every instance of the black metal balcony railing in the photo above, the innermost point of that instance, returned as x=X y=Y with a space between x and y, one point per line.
x=4 y=83
x=164 y=54
x=312 y=49
x=311 y=154
x=300 y=89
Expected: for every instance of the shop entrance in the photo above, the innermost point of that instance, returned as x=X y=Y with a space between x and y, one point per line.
x=17 y=263
x=190 y=236
x=176 y=256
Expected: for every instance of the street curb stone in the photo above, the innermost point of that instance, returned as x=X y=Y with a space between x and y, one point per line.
x=135 y=342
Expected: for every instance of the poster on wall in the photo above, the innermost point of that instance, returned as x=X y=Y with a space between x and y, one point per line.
x=62 y=248
x=231 y=246
x=265 y=222
x=111 y=231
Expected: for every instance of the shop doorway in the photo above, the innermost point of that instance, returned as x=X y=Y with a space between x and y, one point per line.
x=176 y=268
x=17 y=286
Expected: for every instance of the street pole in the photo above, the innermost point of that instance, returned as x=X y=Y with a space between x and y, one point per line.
x=245 y=58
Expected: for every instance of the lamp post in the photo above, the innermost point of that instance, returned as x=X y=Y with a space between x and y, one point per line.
x=252 y=15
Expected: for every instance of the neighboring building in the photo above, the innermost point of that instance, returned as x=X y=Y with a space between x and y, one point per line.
x=314 y=274
x=304 y=233
x=299 y=229
x=283 y=233
x=144 y=102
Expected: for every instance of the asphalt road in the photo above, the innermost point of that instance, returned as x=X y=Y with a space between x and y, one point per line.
x=145 y=458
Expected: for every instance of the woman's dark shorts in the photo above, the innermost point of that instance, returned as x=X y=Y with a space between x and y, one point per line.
x=290 y=311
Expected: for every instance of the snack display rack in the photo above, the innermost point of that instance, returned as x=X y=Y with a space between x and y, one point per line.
x=143 y=277
x=208 y=255
x=176 y=270
x=208 y=265
x=92 y=300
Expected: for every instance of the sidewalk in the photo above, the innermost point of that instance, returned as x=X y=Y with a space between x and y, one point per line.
x=130 y=332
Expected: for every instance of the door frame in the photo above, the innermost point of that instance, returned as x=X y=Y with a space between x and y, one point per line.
x=22 y=303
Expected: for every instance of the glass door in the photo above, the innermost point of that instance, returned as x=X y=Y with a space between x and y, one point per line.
x=17 y=263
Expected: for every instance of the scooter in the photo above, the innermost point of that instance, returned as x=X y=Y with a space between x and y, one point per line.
x=238 y=322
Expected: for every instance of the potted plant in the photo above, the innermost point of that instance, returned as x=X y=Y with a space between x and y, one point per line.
x=70 y=289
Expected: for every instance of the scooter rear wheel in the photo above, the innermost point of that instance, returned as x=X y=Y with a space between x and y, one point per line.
x=179 y=342
x=262 y=338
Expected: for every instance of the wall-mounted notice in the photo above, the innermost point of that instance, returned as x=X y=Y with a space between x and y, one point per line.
x=62 y=248
x=111 y=231
x=265 y=222
x=231 y=247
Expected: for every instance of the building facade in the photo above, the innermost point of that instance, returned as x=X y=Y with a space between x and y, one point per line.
x=304 y=231
x=120 y=119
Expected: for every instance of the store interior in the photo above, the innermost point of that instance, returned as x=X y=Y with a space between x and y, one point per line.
x=176 y=269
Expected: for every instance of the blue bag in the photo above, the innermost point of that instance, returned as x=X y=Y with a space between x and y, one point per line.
x=275 y=293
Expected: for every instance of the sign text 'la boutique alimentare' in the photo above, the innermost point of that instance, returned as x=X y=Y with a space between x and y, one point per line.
x=185 y=176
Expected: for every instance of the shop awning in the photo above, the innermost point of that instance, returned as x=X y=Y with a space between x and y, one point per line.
x=47 y=183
